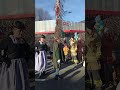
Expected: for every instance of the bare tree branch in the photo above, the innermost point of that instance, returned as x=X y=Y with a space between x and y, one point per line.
x=40 y=15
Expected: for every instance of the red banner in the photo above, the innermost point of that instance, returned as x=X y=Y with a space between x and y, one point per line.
x=20 y=16
x=96 y=12
x=66 y=31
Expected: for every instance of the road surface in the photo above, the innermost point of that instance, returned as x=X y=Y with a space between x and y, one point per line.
x=73 y=78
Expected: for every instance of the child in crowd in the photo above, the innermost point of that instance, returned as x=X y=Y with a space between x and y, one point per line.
x=66 y=51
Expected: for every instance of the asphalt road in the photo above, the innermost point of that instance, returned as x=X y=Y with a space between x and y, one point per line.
x=73 y=78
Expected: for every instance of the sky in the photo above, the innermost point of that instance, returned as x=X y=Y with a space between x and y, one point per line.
x=77 y=7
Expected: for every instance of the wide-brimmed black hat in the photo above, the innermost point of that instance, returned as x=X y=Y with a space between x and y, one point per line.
x=19 y=25
x=42 y=36
x=72 y=36
x=90 y=25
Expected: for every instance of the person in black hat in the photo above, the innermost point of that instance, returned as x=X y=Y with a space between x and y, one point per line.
x=14 y=64
x=57 y=57
x=41 y=56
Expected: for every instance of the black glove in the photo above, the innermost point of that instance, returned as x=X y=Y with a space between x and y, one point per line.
x=1 y=59
x=37 y=50
x=7 y=61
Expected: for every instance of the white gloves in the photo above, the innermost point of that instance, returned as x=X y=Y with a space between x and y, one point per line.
x=58 y=61
x=2 y=52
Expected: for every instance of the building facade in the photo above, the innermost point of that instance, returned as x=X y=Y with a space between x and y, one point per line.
x=48 y=26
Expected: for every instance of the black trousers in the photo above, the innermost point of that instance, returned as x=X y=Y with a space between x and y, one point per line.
x=106 y=73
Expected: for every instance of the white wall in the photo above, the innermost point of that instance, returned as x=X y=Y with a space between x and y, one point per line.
x=45 y=26
x=49 y=25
